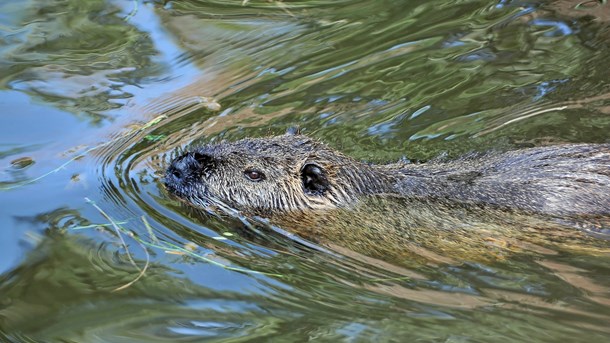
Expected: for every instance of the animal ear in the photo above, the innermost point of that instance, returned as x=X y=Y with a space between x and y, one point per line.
x=314 y=179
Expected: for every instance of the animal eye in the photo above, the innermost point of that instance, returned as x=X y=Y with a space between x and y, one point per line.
x=254 y=175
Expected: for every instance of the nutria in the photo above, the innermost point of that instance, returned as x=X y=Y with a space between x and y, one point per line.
x=305 y=185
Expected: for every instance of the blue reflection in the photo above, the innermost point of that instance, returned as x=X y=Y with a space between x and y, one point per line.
x=546 y=87
x=561 y=28
x=501 y=4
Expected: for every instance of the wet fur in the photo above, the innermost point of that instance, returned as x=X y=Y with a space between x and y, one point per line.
x=566 y=180
x=396 y=210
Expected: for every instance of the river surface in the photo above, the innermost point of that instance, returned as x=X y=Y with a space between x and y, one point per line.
x=96 y=96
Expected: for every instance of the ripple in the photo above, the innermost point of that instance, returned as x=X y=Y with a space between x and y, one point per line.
x=376 y=80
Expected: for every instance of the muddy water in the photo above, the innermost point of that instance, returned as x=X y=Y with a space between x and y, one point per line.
x=96 y=95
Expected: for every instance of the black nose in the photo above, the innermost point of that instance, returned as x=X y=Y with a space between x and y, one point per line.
x=186 y=167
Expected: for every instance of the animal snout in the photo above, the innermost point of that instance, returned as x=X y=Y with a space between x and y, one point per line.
x=186 y=167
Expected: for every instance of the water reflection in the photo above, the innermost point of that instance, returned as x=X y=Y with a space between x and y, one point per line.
x=78 y=59
x=376 y=80
x=67 y=285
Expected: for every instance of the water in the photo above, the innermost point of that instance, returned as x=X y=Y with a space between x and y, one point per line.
x=96 y=95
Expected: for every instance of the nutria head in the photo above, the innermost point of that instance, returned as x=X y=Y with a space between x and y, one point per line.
x=270 y=175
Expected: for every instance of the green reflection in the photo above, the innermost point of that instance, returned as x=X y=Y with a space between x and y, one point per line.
x=379 y=80
x=76 y=55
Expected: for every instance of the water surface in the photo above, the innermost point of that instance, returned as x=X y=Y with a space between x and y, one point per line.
x=97 y=95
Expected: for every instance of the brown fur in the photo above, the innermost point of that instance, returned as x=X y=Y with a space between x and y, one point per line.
x=399 y=210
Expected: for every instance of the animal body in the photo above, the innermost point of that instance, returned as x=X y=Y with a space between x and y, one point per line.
x=325 y=196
